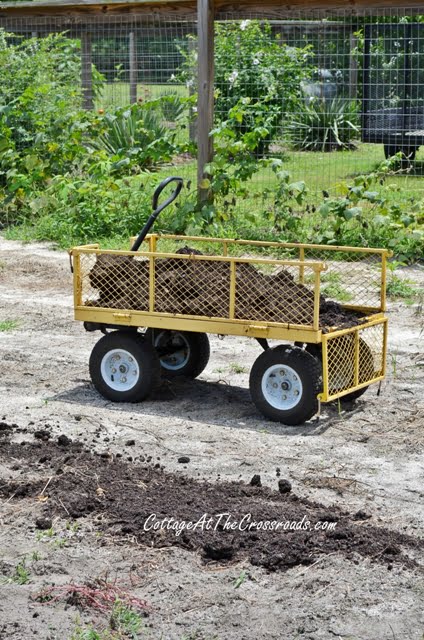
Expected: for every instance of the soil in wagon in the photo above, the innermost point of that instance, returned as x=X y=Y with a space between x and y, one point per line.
x=201 y=288
x=125 y=495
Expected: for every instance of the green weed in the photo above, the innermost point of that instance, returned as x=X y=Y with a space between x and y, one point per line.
x=47 y=534
x=124 y=624
x=400 y=288
x=125 y=620
x=239 y=581
x=8 y=325
x=237 y=368
x=21 y=574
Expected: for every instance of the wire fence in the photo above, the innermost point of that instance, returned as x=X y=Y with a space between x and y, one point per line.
x=336 y=92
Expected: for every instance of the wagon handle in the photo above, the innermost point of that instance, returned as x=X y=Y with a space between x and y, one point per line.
x=158 y=209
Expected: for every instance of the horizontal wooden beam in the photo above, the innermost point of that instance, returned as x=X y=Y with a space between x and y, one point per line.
x=107 y=8
x=180 y=7
x=288 y=5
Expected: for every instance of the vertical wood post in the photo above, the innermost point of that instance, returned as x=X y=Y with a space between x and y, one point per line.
x=353 y=68
x=192 y=125
x=205 y=77
x=133 y=67
x=86 y=70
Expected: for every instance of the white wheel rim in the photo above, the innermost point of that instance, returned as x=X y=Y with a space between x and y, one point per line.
x=120 y=370
x=282 y=387
x=180 y=357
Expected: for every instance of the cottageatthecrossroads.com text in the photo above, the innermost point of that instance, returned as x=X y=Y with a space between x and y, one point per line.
x=226 y=522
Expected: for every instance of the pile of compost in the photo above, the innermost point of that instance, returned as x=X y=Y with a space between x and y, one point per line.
x=202 y=288
x=132 y=492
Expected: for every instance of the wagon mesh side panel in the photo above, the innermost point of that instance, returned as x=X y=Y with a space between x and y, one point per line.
x=273 y=297
x=351 y=278
x=354 y=358
x=115 y=281
x=192 y=287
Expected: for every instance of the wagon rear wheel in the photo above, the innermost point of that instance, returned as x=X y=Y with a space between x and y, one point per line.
x=284 y=384
x=181 y=353
x=124 y=367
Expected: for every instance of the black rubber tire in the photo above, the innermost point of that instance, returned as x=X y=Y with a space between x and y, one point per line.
x=198 y=351
x=364 y=373
x=142 y=352
x=351 y=397
x=308 y=371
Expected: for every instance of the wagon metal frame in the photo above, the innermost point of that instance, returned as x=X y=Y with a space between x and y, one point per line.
x=344 y=358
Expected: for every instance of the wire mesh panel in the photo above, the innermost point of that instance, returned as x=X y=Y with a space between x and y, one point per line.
x=192 y=287
x=108 y=61
x=199 y=286
x=273 y=297
x=317 y=96
x=353 y=359
x=330 y=88
x=115 y=281
x=353 y=277
x=393 y=78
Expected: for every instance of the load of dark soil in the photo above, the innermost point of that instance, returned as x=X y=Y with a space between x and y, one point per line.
x=126 y=495
x=202 y=288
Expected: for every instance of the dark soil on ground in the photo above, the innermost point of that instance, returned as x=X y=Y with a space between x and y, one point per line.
x=202 y=288
x=120 y=496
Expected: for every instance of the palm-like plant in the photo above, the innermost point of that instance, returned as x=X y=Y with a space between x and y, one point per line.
x=135 y=136
x=325 y=126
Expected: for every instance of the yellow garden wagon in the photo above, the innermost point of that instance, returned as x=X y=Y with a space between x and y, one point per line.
x=324 y=305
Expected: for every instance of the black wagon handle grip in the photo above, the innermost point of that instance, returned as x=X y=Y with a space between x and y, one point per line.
x=172 y=197
x=157 y=209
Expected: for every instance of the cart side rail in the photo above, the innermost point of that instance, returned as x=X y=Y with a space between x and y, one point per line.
x=353 y=358
x=230 y=288
x=355 y=276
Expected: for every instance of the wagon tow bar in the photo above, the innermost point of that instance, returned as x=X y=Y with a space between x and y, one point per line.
x=158 y=209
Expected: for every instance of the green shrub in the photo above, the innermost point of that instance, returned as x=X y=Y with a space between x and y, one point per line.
x=73 y=210
x=253 y=64
x=134 y=137
x=325 y=125
x=40 y=87
x=171 y=105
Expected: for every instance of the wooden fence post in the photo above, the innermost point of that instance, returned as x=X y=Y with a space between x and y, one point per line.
x=133 y=67
x=205 y=78
x=353 y=68
x=192 y=125
x=86 y=70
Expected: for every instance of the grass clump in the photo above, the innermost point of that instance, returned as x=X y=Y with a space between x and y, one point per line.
x=8 y=325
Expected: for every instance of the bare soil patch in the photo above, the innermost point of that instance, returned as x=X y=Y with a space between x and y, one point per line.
x=363 y=460
x=82 y=484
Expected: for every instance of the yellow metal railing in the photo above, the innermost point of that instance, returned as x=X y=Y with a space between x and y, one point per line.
x=113 y=279
x=364 y=288
x=353 y=358
x=232 y=293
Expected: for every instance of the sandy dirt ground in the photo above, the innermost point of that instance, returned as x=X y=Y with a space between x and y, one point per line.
x=367 y=457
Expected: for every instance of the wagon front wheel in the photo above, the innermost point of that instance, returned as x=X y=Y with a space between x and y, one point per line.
x=284 y=385
x=124 y=367
x=181 y=353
